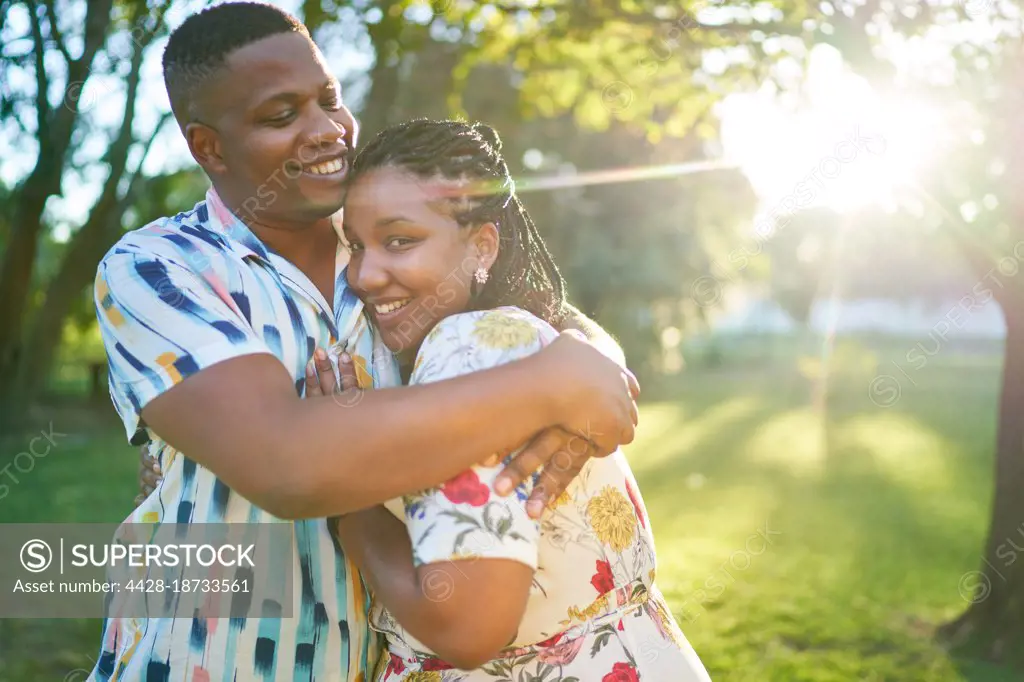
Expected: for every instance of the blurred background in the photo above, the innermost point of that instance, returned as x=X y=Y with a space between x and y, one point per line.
x=798 y=218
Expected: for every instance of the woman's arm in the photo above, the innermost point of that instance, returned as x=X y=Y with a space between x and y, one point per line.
x=458 y=575
x=466 y=611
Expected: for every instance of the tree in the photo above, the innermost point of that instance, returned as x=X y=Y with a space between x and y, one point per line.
x=646 y=64
x=798 y=254
x=56 y=114
x=429 y=59
x=435 y=59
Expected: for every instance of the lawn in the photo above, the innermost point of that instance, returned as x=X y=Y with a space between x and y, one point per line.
x=799 y=538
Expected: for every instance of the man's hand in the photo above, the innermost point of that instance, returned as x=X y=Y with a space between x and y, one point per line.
x=596 y=399
x=594 y=396
x=559 y=454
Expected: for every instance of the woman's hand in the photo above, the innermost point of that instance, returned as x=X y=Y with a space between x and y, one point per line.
x=149 y=475
x=320 y=379
x=319 y=382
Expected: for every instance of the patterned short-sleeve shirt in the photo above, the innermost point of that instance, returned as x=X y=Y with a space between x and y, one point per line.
x=174 y=297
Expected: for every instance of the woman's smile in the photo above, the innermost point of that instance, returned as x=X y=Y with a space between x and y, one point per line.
x=389 y=314
x=384 y=309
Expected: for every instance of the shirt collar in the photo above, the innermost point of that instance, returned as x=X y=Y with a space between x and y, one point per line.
x=225 y=223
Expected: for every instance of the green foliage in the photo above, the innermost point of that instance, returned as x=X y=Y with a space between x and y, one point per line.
x=632 y=85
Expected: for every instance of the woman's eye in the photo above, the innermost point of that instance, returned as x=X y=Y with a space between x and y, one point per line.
x=353 y=247
x=333 y=104
x=399 y=241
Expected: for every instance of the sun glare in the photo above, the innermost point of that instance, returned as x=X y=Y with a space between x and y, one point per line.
x=842 y=146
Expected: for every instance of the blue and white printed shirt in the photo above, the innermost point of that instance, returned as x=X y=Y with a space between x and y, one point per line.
x=174 y=297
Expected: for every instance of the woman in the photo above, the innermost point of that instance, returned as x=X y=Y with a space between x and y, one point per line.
x=466 y=585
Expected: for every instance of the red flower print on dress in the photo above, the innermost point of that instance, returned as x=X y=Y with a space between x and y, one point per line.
x=562 y=653
x=466 y=488
x=550 y=641
x=637 y=504
x=396 y=665
x=603 y=581
x=436 y=664
x=621 y=672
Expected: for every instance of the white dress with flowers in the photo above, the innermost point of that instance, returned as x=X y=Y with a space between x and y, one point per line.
x=594 y=613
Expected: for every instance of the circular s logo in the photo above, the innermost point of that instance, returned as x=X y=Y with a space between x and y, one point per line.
x=36 y=556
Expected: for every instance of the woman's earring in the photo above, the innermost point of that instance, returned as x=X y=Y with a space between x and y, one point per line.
x=479 y=279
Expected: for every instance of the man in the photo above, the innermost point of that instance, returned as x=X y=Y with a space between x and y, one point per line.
x=209 y=322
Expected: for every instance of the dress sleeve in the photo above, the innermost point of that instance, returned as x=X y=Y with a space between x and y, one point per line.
x=465 y=518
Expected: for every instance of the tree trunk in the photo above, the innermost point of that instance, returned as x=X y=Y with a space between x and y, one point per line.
x=995 y=617
x=15 y=282
x=378 y=110
x=78 y=265
x=77 y=270
x=56 y=125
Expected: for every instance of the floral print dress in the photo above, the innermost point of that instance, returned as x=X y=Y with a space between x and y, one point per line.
x=594 y=613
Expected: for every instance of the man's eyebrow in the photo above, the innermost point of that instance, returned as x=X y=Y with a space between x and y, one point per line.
x=290 y=96
x=389 y=220
x=279 y=97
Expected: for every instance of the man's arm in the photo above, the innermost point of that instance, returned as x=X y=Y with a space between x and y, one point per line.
x=577 y=321
x=186 y=363
x=325 y=456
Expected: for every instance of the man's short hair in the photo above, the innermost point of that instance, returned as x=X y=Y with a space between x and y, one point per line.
x=198 y=48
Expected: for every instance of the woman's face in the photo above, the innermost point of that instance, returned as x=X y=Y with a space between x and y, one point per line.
x=411 y=262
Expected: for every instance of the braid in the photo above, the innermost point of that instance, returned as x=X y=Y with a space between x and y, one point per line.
x=524 y=274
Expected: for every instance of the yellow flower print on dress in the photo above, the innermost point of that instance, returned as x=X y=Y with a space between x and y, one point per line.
x=424 y=676
x=598 y=607
x=563 y=498
x=612 y=517
x=501 y=331
x=363 y=377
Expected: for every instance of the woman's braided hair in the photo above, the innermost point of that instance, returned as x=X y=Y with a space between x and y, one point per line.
x=524 y=274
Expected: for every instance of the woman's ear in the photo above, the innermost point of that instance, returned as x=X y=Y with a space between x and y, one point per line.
x=486 y=240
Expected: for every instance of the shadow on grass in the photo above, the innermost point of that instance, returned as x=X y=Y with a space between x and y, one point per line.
x=881 y=556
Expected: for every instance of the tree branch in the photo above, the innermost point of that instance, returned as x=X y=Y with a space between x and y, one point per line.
x=3 y=14
x=117 y=156
x=42 y=82
x=55 y=33
x=63 y=118
x=133 y=181
x=683 y=20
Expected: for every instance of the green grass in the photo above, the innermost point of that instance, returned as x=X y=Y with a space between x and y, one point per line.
x=873 y=515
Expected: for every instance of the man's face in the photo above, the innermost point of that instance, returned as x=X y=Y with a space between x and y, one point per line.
x=281 y=137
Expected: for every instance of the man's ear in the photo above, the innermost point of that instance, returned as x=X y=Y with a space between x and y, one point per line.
x=486 y=240
x=204 y=143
